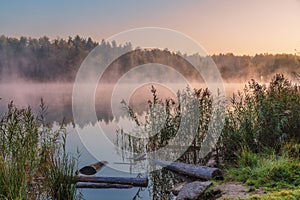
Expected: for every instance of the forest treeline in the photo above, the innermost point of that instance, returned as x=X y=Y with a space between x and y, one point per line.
x=45 y=60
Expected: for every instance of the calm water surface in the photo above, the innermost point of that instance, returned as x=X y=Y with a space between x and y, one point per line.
x=58 y=98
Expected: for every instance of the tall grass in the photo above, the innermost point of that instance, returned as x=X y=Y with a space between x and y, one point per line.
x=262 y=118
x=260 y=141
x=34 y=163
x=261 y=138
x=282 y=195
x=268 y=171
x=165 y=119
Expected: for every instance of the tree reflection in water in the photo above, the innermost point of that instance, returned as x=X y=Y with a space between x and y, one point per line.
x=160 y=185
x=161 y=125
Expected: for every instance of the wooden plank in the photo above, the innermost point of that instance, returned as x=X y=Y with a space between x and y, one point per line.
x=196 y=171
x=139 y=182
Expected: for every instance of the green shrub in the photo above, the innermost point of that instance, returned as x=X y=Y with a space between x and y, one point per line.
x=262 y=118
x=266 y=170
x=31 y=154
x=190 y=112
x=281 y=195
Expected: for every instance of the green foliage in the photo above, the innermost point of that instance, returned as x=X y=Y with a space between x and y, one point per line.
x=264 y=66
x=33 y=159
x=45 y=60
x=60 y=174
x=262 y=118
x=291 y=149
x=268 y=171
x=42 y=59
x=281 y=195
x=260 y=139
x=191 y=112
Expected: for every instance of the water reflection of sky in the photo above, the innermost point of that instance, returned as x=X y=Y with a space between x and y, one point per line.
x=74 y=144
x=58 y=99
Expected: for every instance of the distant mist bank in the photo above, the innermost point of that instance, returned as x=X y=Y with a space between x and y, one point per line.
x=42 y=60
x=58 y=99
x=31 y=69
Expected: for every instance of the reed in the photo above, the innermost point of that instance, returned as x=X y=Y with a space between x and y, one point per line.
x=33 y=158
x=262 y=118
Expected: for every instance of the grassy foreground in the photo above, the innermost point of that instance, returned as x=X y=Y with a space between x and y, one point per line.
x=277 y=176
x=282 y=195
x=260 y=142
x=33 y=159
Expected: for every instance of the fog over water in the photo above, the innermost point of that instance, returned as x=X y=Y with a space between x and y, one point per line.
x=41 y=69
x=58 y=97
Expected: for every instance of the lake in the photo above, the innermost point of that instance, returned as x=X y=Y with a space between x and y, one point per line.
x=86 y=135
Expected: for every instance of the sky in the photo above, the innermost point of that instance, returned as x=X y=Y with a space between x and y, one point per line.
x=242 y=27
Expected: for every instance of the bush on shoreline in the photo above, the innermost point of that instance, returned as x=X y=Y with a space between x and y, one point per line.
x=262 y=119
x=33 y=158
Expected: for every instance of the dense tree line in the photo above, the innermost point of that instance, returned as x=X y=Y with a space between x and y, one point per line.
x=260 y=66
x=42 y=59
x=59 y=59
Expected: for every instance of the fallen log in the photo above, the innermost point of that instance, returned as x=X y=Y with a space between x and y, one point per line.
x=139 y=182
x=196 y=171
x=193 y=190
x=93 y=168
x=102 y=185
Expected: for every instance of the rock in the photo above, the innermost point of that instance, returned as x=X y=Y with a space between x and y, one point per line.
x=193 y=190
x=176 y=189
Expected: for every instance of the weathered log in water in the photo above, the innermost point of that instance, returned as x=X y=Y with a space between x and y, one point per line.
x=196 y=171
x=139 y=182
x=102 y=185
x=193 y=190
x=93 y=168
